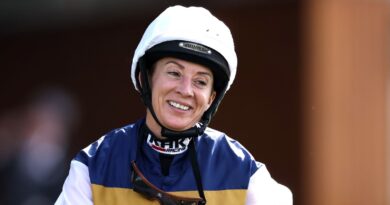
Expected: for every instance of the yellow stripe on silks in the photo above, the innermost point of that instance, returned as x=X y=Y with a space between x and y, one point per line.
x=226 y=197
x=118 y=196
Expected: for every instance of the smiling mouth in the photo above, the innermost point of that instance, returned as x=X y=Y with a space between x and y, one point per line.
x=178 y=105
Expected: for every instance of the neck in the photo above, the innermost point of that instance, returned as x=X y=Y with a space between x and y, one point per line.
x=153 y=126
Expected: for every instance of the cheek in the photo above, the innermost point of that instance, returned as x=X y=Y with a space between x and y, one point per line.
x=160 y=91
x=207 y=100
x=156 y=93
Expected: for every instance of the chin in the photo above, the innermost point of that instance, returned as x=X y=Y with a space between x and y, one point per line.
x=178 y=126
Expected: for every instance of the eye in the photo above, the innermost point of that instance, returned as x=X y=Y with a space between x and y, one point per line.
x=201 y=83
x=175 y=74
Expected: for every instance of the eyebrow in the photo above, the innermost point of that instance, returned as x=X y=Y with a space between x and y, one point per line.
x=182 y=67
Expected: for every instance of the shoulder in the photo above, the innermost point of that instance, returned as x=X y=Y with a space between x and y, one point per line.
x=216 y=145
x=211 y=134
x=220 y=140
x=116 y=140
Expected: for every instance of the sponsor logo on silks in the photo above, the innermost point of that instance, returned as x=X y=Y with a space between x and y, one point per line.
x=168 y=147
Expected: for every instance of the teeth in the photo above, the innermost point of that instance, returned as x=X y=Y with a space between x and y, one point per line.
x=177 y=105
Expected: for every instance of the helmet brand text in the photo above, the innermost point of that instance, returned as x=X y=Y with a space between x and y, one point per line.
x=195 y=47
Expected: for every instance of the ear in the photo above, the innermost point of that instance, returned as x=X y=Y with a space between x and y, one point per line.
x=140 y=79
x=211 y=99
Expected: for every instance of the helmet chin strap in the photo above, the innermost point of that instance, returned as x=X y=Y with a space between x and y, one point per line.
x=146 y=93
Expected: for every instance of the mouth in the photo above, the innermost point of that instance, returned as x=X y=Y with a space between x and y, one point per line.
x=179 y=106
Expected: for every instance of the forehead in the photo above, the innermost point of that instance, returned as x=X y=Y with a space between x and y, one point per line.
x=184 y=65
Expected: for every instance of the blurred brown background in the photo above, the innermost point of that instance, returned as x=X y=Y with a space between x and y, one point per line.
x=310 y=99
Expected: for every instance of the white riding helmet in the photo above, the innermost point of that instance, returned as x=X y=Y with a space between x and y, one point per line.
x=190 y=24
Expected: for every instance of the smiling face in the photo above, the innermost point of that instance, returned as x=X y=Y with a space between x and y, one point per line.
x=181 y=92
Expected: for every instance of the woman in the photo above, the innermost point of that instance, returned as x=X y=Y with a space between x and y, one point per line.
x=182 y=67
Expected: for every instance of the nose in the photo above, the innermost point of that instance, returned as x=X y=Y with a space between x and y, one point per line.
x=185 y=87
